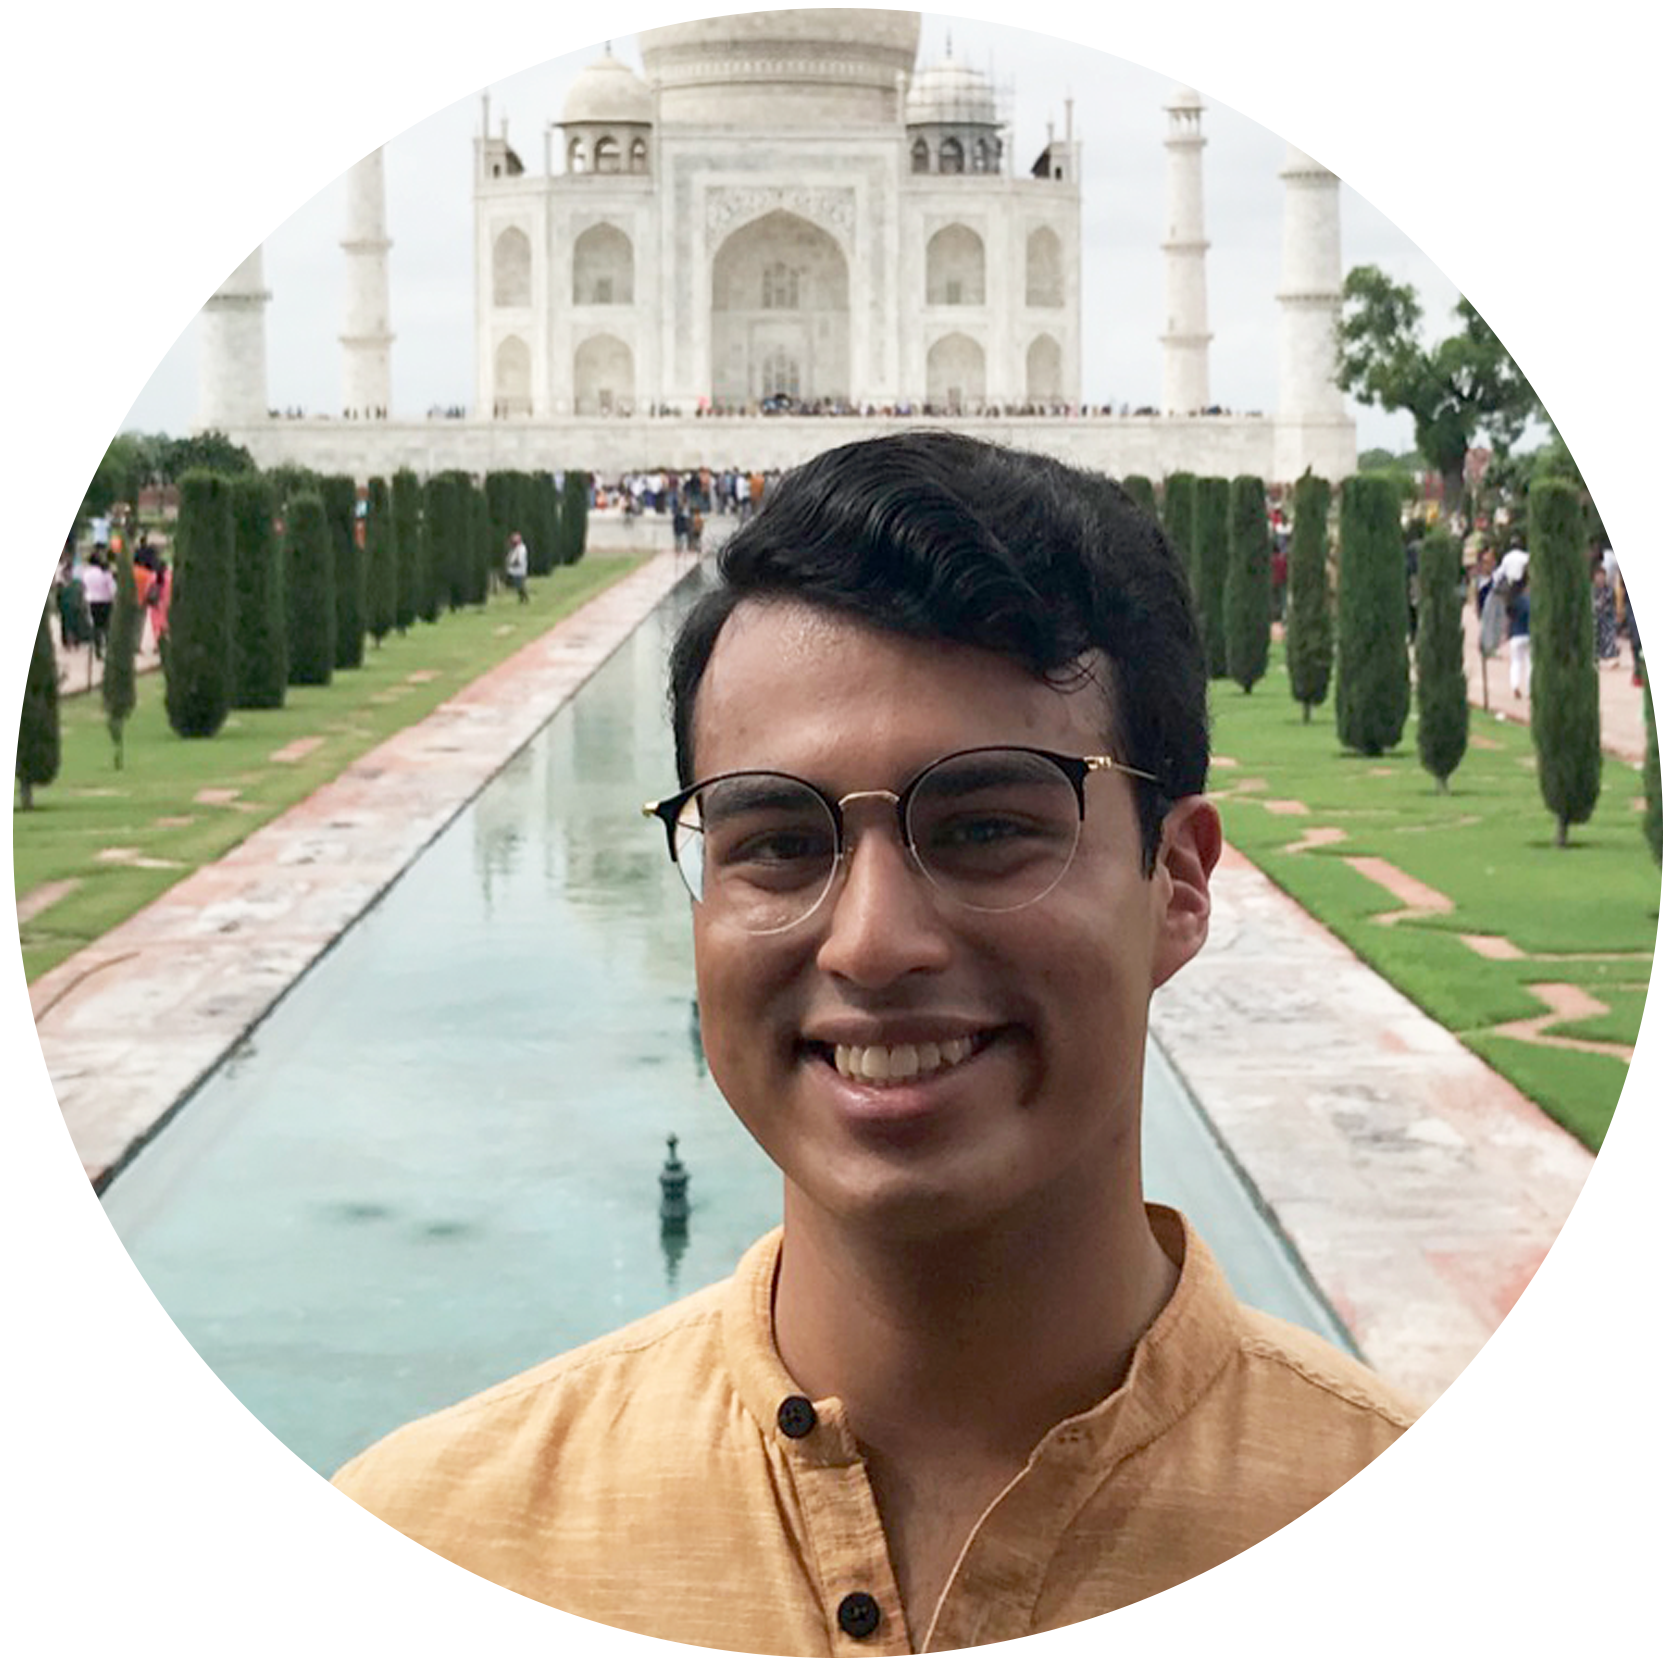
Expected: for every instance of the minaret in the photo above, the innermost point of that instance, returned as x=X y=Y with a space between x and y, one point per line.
x=232 y=372
x=1312 y=427
x=1186 y=337
x=366 y=338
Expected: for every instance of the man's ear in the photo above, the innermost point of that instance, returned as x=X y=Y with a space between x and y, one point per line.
x=1187 y=857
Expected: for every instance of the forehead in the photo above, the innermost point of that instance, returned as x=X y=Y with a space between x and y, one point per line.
x=817 y=692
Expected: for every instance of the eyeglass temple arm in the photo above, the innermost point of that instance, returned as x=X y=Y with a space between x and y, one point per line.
x=1104 y=762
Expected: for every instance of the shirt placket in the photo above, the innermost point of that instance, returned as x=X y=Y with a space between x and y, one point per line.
x=848 y=1557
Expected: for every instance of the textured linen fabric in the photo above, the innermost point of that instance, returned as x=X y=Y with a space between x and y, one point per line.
x=647 y=1480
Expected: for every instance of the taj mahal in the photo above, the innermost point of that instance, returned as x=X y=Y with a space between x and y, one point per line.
x=786 y=233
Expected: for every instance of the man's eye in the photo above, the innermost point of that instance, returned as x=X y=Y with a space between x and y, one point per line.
x=776 y=847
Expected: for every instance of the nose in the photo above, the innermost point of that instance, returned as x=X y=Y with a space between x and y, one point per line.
x=883 y=921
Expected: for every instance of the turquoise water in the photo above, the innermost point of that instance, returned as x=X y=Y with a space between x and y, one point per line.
x=436 y=1162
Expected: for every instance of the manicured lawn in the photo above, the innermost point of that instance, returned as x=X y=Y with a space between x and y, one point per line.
x=119 y=839
x=1583 y=916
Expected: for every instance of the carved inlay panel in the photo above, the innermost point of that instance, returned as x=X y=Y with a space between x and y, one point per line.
x=831 y=207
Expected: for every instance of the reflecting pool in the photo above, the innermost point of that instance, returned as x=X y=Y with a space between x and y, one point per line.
x=436 y=1162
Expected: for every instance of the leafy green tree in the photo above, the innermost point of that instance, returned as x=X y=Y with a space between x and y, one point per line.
x=1139 y=487
x=1373 y=686
x=407 y=514
x=341 y=510
x=212 y=451
x=310 y=568
x=1308 y=622
x=381 y=573
x=1180 y=504
x=1563 y=679
x=260 y=629
x=1247 y=596
x=197 y=662
x=1468 y=382
x=119 y=690
x=1211 y=542
x=575 y=514
x=1652 y=775
x=1443 y=690
x=35 y=725
x=130 y=463
x=85 y=482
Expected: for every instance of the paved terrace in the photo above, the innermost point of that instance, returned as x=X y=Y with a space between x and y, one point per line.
x=1420 y=1188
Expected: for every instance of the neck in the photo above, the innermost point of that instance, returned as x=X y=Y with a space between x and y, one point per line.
x=919 y=1336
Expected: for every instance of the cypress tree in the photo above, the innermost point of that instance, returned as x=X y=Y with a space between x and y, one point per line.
x=458 y=530
x=544 y=521
x=1373 y=687
x=505 y=492
x=483 y=551
x=1443 y=691
x=1308 y=626
x=575 y=514
x=35 y=725
x=1652 y=775
x=1139 y=487
x=406 y=518
x=438 y=491
x=381 y=575
x=341 y=510
x=1211 y=538
x=260 y=632
x=197 y=662
x=1247 y=596
x=119 y=690
x=1180 y=502
x=1563 y=681
x=310 y=563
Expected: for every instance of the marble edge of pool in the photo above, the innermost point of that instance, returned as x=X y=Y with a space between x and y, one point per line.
x=131 y=1024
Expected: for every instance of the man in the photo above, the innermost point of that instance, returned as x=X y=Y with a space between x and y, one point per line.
x=515 y=566
x=941 y=733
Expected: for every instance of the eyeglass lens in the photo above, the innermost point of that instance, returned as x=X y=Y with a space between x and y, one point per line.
x=995 y=830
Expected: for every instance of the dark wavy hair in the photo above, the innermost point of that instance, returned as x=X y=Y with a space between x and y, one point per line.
x=941 y=537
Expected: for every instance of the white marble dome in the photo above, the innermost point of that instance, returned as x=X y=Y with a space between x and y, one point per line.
x=953 y=94
x=610 y=92
x=828 y=66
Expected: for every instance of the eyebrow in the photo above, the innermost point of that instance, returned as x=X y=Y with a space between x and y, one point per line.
x=737 y=796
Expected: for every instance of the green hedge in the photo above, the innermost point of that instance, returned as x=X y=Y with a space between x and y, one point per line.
x=35 y=724
x=260 y=630
x=1247 y=596
x=310 y=567
x=341 y=510
x=1563 y=676
x=1374 y=688
x=197 y=662
x=1212 y=535
x=1443 y=690
x=1308 y=624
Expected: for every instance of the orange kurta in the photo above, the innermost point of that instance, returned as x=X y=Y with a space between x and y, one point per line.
x=671 y=1479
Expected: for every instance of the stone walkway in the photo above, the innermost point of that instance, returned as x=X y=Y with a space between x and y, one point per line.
x=1420 y=1188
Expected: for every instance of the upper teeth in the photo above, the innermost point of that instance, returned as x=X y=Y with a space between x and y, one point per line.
x=910 y=1059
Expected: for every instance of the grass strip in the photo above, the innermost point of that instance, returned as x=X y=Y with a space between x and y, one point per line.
x=1488 y=847
x=118 y=839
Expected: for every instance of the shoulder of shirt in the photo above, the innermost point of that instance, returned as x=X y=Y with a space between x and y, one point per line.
x=518 y=1397
x=1496 y=1477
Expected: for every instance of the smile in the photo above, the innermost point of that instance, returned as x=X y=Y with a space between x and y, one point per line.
x=903 y=1063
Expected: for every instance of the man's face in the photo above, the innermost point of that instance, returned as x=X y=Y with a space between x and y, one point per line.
x=1050 y=1000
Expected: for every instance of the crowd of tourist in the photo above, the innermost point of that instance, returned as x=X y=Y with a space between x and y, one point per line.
x=84 y=594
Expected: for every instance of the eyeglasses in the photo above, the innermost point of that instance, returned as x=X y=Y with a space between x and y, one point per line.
x=995 y=828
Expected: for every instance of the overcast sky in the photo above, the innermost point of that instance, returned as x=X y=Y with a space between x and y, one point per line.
x=1516 y=142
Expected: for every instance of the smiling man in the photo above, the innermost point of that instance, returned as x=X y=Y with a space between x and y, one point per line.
x=941 y=729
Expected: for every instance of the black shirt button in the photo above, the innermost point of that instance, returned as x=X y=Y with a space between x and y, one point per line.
x=859 y=1614
x=796 y=1417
